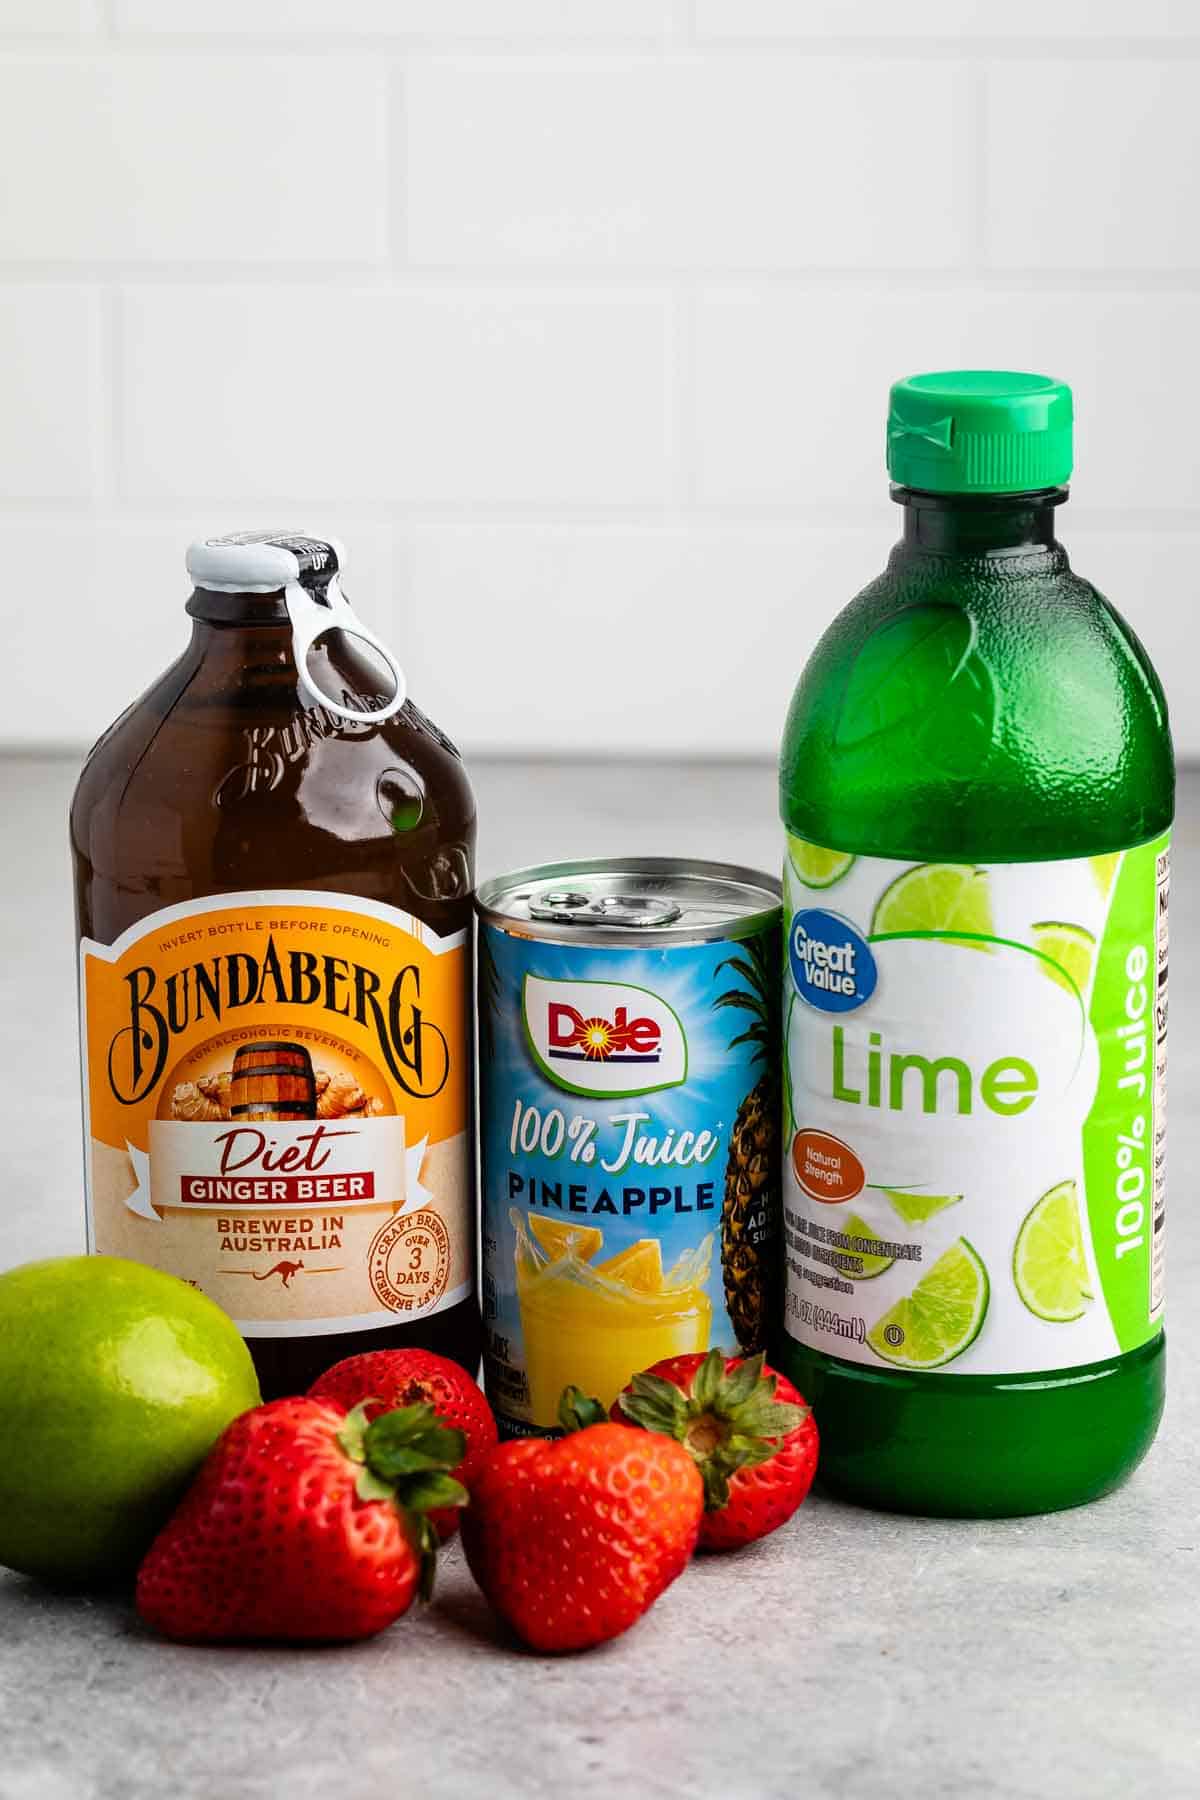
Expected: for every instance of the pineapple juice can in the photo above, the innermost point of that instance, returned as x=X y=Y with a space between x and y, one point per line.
x=629 y=1122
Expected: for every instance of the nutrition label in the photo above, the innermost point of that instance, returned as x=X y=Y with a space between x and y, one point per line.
x=1158 y=1242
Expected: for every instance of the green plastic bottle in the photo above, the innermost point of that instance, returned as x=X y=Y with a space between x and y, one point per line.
x=977 y=784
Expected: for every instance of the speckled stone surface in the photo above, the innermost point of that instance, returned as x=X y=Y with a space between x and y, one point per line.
x=855 y=1656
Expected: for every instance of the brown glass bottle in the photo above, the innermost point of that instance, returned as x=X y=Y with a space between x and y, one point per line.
x=227 y=778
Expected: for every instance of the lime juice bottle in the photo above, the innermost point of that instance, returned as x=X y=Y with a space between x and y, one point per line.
x=977 y=786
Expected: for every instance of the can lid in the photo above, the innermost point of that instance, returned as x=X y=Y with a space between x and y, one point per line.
x=613 y=900
x=980 y=431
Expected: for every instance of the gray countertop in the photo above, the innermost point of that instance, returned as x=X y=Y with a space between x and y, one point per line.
x=854 y=1655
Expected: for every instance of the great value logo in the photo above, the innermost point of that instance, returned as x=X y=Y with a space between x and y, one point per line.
x=603 y=1037
x=832 y=964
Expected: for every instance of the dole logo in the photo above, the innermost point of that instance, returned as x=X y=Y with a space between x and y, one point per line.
x=619 y=1039
x=603 y=1037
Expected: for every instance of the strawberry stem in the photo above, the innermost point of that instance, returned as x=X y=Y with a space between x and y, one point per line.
x=731 y=1420
x=406 y=1457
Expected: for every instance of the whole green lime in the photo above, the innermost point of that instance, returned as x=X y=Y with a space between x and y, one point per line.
x=115 y=1381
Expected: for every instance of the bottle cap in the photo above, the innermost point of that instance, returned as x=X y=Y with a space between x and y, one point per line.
x=306 y=570
x=979 y=431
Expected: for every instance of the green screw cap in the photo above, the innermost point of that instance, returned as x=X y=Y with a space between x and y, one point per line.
x=979 y=431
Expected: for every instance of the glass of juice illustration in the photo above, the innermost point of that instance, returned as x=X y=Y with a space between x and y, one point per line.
x=591 y=1321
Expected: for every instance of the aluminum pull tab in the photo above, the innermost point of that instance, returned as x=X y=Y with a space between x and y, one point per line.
x=559 y=906
x=313 y=619
x=306 y=566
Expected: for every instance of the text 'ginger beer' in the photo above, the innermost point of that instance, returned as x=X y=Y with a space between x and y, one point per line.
x=274 y=867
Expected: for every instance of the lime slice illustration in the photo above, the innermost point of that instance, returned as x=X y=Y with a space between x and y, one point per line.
x=1071 y=947
x=866 y=1265
x=1049 y=1265
x=914 y=1209
x=936 y=897
x=1104 y=869
x=817 y=867
x=942 y=1316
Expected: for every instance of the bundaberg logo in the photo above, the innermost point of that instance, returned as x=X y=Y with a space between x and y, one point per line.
x=414 y=1047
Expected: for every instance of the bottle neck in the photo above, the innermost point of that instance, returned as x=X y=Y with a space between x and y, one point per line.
x=975 y=525
x=238 y=638
x=245 y=641
x=215 y=607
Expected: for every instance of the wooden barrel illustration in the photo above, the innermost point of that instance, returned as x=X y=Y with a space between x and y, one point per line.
x=273 y=1080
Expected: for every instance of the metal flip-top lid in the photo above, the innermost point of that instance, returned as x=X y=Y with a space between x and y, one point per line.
x=612 y=900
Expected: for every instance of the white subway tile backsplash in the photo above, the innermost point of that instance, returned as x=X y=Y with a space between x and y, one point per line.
x=518 y=637
x=442 y=397
x=799 y=20
x=696 y=162
x=126 y=585
x=792 y=384
x=203 y=158
x=588 y=639
x=1093 y=165
x=1150 y=577
x=49 y=379
x=503 y=20
x=586 y=308
x=127 y=580
x=47 y=18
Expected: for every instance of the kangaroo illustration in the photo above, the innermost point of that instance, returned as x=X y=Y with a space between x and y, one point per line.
x=285 y=1271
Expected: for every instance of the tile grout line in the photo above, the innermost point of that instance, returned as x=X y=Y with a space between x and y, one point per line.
x=977 y=233
x=395 y=151
x=113 y=376
x=680 y=398
x=679 y=39
x=551 y=282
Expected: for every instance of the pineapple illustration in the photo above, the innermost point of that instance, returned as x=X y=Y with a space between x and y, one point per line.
x=750 y=1209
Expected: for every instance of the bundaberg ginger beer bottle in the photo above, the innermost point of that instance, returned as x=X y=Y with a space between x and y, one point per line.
x=273 y=865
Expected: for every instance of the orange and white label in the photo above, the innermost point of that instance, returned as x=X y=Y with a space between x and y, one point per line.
x=276 y=1108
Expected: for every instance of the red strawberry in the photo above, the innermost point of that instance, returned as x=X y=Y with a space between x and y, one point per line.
x=381 y=1379
x=749 y=1431
x=305 y=1522
x=573 y=1539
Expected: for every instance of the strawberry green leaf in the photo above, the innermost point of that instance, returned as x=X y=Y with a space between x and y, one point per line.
x=707 y=1385
x=741 y=1382
x=429 y=1492
x=353 y=1431
x=747 y=1452
x=576 y=1411
x=411 y=1439
x=731 y=1420
x=370 y=1487
x=656 y=1405
x=767 y=1418
x=392 y=1461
